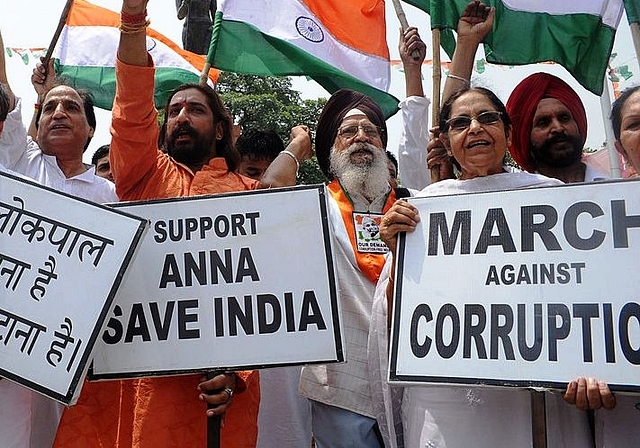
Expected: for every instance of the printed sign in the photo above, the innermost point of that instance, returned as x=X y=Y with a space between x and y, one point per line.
x=241 y=280
x=532 y=287
x=61 y=262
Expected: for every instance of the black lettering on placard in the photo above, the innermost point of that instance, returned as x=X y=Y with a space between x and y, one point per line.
x=222 y=226
x=290 y=317
x=501 y=326
x=629 y=311
x=447 y=310
x=529 y=227
x=475 y=321
x=570 y=225
x=268 y=301
x=495 y=219
x=461 y=227
x=422 y=312
x=586 y=312
x=137 y=325
x=311 y=314
x=267 y=314
x=114 y=331
x=184 y=318
x=621 y=224
x=206 y=269
x=609 y=343
x=530 y=352
x=162 y=325
x=535 y=274
x=446 y=331
x=557 y=332
x=241 y=315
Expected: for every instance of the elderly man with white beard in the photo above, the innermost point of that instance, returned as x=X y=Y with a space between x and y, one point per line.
x=350 y=145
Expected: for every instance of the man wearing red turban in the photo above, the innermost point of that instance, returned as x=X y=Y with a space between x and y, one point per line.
x=550 y=129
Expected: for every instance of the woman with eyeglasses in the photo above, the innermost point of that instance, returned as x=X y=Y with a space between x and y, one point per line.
x=476 y=131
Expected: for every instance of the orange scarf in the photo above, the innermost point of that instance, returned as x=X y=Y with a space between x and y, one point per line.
x=370 y=264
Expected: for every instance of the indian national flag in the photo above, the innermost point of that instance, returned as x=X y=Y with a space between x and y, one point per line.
x=338 y=43
x=86 y=54
x=578 y=34
x=633 y=11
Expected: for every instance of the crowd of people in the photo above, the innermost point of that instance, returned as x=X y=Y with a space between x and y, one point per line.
x=543 y=126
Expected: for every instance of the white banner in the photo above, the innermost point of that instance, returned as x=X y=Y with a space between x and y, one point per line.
x=61 y=262
x=528 y=287
x=241 y=280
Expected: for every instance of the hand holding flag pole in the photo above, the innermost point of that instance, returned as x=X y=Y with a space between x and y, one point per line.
x=56 y=34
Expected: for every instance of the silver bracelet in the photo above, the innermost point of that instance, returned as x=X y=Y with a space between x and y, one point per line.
x=459 y=78
x=293 y=156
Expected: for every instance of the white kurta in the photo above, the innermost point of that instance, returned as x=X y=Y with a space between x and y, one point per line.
x=462 y=416
x=18 y=152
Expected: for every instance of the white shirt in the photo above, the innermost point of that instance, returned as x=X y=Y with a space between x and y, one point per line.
x=18 y=152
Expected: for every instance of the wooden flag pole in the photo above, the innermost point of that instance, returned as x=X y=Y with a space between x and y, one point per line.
x=538 y=419
x=214 y=423
x=56 y=35
x=437 y=80
x=635 y=36
x=403 y=22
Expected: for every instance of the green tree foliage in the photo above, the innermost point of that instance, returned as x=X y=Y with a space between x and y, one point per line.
x=271 y=103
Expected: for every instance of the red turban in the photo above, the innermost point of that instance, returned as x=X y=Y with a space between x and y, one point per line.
x=522 y=105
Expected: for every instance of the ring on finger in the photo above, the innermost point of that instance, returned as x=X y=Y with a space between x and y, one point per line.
x=229 y=393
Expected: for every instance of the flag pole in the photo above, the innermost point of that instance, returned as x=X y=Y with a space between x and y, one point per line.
x=437 y=80
x=56 y=35
x=435 y=38
x=403 y=22
x=213 y=45
x=605 y=107
x=635 y=36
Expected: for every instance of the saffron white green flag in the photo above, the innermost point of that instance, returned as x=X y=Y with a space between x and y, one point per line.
x=577 y=34
x=86 y=55
x=338 y=43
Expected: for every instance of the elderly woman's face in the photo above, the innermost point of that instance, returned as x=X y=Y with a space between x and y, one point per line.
x=629 y=143
x=479 y=148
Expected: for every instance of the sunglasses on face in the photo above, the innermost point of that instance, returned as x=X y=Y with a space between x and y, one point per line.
x=462 y=122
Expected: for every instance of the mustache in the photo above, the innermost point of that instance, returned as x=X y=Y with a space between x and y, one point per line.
x=360 y=146
x=183 y=128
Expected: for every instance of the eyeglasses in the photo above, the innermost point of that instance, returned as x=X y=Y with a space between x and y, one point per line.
x=351 y=131
x=462 y=122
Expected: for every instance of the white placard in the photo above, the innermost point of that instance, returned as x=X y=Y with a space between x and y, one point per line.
x=61 y=262
x=527 y=288
x=241 y=280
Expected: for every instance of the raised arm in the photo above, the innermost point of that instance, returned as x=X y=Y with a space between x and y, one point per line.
x=132 y=48
x=3 y=75
x=474 y=25
x=412 y=53
x=282 y=172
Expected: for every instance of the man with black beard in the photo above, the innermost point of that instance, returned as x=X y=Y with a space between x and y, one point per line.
x=550 y=128
x=350 y=145
x=200 y=159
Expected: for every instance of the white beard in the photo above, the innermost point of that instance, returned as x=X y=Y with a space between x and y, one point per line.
x=369 y=178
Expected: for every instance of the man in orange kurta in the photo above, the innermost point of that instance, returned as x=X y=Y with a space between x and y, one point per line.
x=200 y=159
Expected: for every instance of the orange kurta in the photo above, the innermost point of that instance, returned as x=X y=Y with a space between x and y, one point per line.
x=156 y=412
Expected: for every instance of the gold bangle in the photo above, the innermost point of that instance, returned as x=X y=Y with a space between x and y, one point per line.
x=134 y=28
